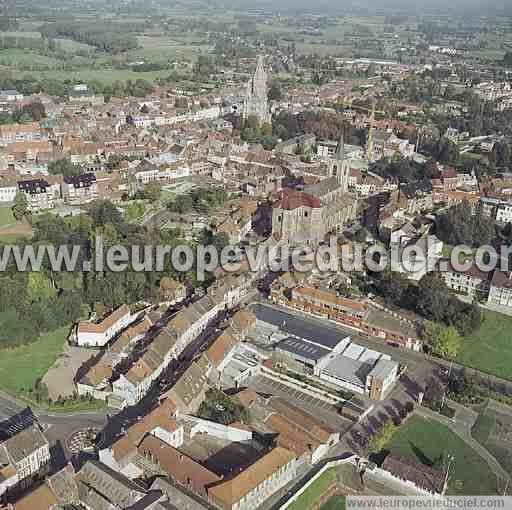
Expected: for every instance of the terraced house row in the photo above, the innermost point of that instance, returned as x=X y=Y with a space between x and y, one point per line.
x=163 y=345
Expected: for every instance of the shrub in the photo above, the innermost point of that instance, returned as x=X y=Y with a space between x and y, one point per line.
x=447 y=411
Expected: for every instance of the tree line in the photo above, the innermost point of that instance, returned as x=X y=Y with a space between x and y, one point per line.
x=33 y=302
x=106 y=36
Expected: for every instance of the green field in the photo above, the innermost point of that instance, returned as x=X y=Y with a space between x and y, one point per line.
x=315 y=491
x=427 y=441
x=6 y=217
x=17 y=57
x=334 y=503
x=106 y=76
x=22 y=366
x=485 y=432
x=490 y=349
x=484 y=427
x=74 y=46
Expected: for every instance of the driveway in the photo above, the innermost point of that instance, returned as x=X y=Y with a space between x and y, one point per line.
x=59 y=378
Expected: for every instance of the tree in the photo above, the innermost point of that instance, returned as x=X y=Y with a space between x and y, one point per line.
x=274 y=91
x=64 y=167
x=269 y=142
x=393 y=286
x=318 y=79
x=103 y=212
x=182 y=204
x=443 y=341
x=20 y=206
x=153 y=191
x=220 y=241
x=447 y=151
x=433 y=391
x=507 y=59
x=433 y=298
x=501 y=154
x=460 y=226
x=39 y=287
x=431 y=169
x=251 y=122
x=382 y=437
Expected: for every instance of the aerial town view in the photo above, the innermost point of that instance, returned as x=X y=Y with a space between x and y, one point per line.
x=255 y=255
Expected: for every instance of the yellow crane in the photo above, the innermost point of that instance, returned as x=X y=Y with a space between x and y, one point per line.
x=369 y=141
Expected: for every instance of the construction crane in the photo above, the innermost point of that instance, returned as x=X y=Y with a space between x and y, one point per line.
x=369 y=141
x=356 y=107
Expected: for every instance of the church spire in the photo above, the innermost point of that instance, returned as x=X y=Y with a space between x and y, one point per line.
x=260 y=69
x=340 y=150
x=256 y=102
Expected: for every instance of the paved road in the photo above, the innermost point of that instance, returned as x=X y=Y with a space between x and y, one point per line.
x=16 y=416
x=9 y=407
x=120 y=421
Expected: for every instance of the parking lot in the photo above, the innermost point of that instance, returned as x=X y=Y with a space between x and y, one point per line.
x=314 y=406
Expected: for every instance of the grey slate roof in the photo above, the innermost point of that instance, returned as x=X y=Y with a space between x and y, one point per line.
x=24 y=443
x=322 y=188
x=99 y=483
x=350 y=370
x=303 y=349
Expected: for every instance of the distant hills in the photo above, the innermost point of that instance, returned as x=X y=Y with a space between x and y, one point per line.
x=318 y=7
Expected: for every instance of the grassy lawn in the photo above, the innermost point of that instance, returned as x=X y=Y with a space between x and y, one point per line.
x=66 y=406
x=106 y=76
x=6 y=217
x=334 y=503
x=484 y=431
x=427 y=441
x=11 y=238
x=484 y=427
x=16 y=57
x=308 y=498
x=489 y=349
x=22 y=366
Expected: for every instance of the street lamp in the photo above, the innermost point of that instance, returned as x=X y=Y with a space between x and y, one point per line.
x=451 y=458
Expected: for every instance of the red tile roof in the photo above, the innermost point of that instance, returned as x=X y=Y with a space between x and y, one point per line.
x=292 y=199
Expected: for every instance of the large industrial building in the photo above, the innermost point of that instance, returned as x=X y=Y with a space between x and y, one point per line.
x=346 y=365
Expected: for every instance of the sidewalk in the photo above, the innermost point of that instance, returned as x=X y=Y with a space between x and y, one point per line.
x=505 y=310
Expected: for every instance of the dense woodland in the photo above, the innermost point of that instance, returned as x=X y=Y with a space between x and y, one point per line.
x=106 y=36
x=35 y=302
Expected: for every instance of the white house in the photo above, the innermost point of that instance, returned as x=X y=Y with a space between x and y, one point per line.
x=23 y=457
x=90 y=334
x=8 y=190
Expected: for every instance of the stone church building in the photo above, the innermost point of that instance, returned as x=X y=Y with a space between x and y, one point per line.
x=256 y=101
x=309 y=216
